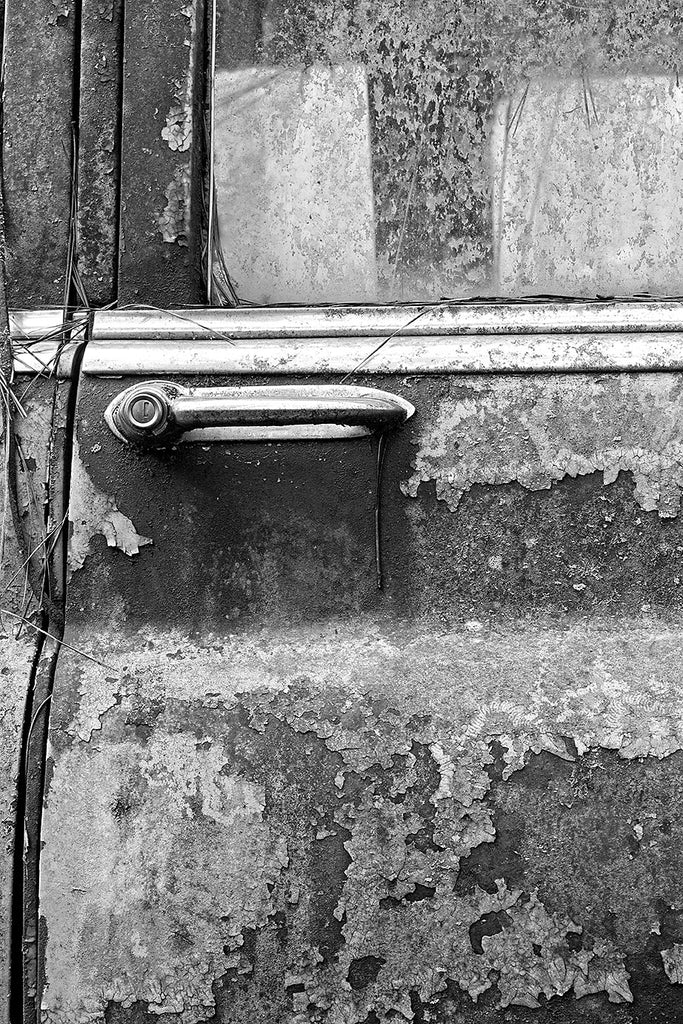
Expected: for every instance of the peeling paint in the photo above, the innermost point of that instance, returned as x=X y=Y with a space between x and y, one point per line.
x=92 y=512
x=525 y=974
x=60 y=9
x=178 y=130
x=174 y=221
x=179 y=121
x=105 y=9
x=538 y=430
x=673 y=963
x=197 y=781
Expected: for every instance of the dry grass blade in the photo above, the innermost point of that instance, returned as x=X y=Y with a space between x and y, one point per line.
x=220 y=290
x=62 y=643
x=221 y=282
x=34 y=719
x=513 y=124
x=83 y=299
x=8 y=398
x=54 y=534
x=409 y=201
x=6 y=455
x=213 y=334
x=66 y=332
x=393 y=335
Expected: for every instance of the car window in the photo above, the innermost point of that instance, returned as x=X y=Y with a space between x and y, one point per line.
x=411 y=150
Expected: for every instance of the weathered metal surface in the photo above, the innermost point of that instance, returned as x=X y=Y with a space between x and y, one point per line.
x=287 y=795
x=25 y=575
x=293 y=174
x=161 y=168
x=16 y=658
x=159 y=413
x=434 y=320
x=437 y=76
x=532 y=432
x=585 y=216
x=350 y=357
x=37 y=149
x=41 y=437
x=24 y=442
x=17 y=651
x=302 y=825
x=99 y=147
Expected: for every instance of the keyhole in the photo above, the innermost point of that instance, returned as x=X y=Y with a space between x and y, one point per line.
x=143 y=410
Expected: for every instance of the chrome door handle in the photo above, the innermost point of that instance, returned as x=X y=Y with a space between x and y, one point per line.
x=159 y=412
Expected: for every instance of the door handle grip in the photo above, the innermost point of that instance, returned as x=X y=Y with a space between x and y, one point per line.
x=161 y=412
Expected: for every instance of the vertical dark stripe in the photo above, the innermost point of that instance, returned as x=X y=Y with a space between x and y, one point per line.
x=161 y=155
x=37 y=148
x=99 y=130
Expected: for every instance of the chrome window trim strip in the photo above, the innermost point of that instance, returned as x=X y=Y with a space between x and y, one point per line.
x=539 y=353
x=257 y=323
x=608 y=337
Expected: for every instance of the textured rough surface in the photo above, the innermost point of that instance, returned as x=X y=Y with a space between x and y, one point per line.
x=673 y=963
x=91 y=512
x=37 y=149
x=535 y=431
x=161 y=147
x=554 y=156
x=286 y=795
x=99 y=147
x=16 y=658
x=436 y=72
x=22 y=528
x=174 y=220
x=388 y=810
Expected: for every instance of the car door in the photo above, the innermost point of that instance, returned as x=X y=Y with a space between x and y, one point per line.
x=299 y=767
x=367 y=705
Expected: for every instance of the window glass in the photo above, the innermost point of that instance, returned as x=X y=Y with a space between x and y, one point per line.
x=395 y=150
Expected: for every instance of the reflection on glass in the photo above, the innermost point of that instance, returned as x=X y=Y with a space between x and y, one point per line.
x=384 y=150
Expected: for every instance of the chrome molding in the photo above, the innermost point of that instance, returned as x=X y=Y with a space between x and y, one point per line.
x=260 y=323
x=533 y=337
x=521 y=353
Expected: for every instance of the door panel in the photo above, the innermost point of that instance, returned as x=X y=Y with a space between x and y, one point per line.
x=279 y=792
